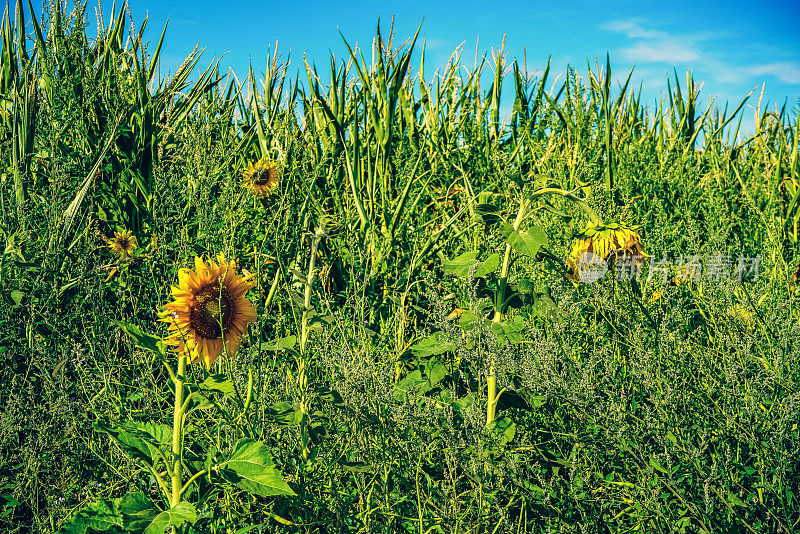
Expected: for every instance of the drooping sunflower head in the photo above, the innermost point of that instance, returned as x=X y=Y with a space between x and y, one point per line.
x=261 y=178
x=599 y=246
x=210 y=312
x=122 y=244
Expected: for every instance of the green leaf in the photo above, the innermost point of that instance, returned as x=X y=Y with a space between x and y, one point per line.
x=460 y=265
x=657 y=466
x=433 y=345
x=469 y=320
x=735 y=500
x=329 y=395
x=509 y=331
x=284 y=414
x=142 y=340
x=16 y=296
x=130 y=443
x=251 y=468
x=489 y=266
x=504 y=429
x=487 y=214
x=103 y=516
x=219 y=384
x=413 y=381
x=287 y=342
x=544 y=306
x=527 y=243
x=356 y=467
x=435 y=371
x=141 y=516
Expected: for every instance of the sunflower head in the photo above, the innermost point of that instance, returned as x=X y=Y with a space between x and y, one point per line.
x=122 y=244
x=210 y=311
x=599 y=246
x=261 y=178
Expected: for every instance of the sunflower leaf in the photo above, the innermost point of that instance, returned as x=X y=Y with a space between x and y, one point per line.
x=287 y=342
x=142 y=516
x=145 y=341
x=460 y=265
x=489 y=266
x=527 y=243
x=103 y=516
x=251 y=468
x=133 y=445
x=432 y=345
x=219 y=384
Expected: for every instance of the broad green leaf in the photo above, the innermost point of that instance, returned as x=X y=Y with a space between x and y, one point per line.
x=129 y=442
x=284 y=414
x=544 y=306
x=145 y=341
x=445 y=399
x=218 y=383
x=357 y=467
x=735 y=500
x=527 y=243
x=287 y=342
x=433 y=345
x=435 y=371
x=509 y=331
x=503 y=429
x=157 y=434
x=487 y=214
x=141 y=516
x=460 y=265
x=468 y=320
x=329 y=395
x=103 y=516
x=489 y=266
x=251 y=468
x=413 y=381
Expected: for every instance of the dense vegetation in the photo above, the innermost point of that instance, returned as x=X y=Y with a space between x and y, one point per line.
x=411 y=257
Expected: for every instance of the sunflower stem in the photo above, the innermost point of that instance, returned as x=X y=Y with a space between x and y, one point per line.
x=302 y=377
x=500 y=302
x=177 y=434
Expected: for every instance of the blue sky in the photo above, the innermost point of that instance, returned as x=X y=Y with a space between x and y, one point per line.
x=731 y=46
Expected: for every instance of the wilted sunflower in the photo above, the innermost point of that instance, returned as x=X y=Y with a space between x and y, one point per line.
x=122 y=244
x=261 y=178
x=599 y=246
x=209 y=310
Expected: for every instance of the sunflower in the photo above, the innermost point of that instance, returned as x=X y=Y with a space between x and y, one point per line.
x=261 y=178
x=210 y=310
x=122 y=244
x=599 y=246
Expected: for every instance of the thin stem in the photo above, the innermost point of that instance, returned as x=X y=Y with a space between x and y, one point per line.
x=177 y=431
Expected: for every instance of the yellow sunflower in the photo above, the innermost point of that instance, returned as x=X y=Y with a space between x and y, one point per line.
x=210 y=310
x=261 y=178
x=122 y=244
x=599 y=246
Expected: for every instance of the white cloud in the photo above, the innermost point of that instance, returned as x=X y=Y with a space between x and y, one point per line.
x=785 y=71
x=648 y=45
x=633 y=29
x=663 y=52
x=654 y=46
